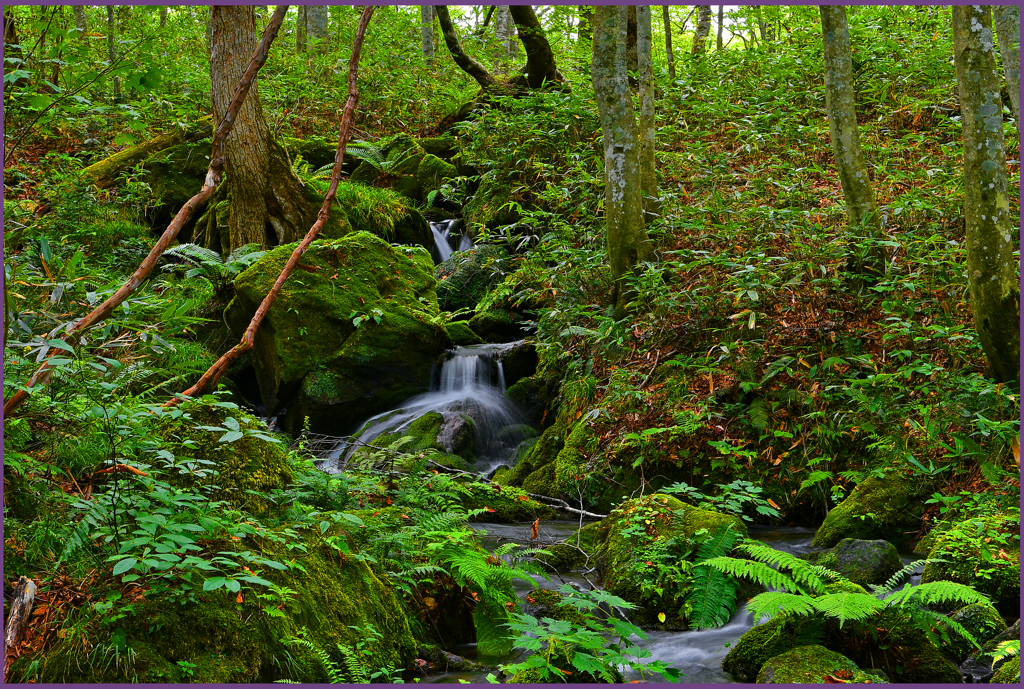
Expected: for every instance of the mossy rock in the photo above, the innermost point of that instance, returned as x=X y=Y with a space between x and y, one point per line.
x=981 y=621
x=760 y=643
x=431 y=173
x=548 y=603
x=811 y=665
x=862 y=562
x=310 y=355
x=570 y=464
x=384 y=213
x=489 y=206
x=877 y=508
x=962 y=544
x=316 y=151
x=532 y=395
x=503 y=504
x=540 y=456
x=464 y=279
x=1008 y=672
x=443 y=146
x=518 y=361
x=176 y=174
x=577 y=550
x=365 y=173
x=460 y=334
x=245 y=468
x=496 y=324
x=430 y=435
x=232 y=640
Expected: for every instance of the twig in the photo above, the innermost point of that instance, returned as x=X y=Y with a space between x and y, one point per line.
x=213 y=174
x=218 y=368
x=21 y=608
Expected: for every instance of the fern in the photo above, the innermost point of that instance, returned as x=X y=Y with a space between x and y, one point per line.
x=756 y=571
x=847 y=606
x=367 y=152
x=775 y=603
x=712 y=596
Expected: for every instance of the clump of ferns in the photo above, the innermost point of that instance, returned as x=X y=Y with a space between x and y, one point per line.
x=799 y=589
x=199 y=262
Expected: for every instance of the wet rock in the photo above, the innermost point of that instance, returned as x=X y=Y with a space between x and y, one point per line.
x=862 y=562
x=812 y=665
x=877 y=508
x=464 y=279
x=981 y=621
x=518 y=361
x=981 y=665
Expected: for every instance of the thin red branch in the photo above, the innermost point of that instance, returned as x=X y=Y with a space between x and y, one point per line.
x=213 y=175
x=215 y=371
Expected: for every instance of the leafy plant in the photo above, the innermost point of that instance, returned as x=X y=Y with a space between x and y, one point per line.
x=356 y=666
x=712 y=596
x=208 y=264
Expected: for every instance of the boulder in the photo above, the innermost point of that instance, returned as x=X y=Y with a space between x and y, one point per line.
x=467 y=276
x=1008 y=672
x=532 y=395
x=518 y=361
x=812 y=665
x=877 y=508
x=760 y=643
x=489 y=208
x=460 y=334
x=862 y=562
x=311 y=356
x=496 y=324
x=384 y=213
x=981 y=621
x=982 y=664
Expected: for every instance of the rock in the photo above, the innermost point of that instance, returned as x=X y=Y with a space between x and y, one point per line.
x=1008 y=672
x=578 y=550
x=489 y=209
x=460 y=334
x=443 y=438
x=962 y=544
x=812 y=665
x=466 y=277
x=431 y=173
x=105 y=172
x=518 y=361
x=862 y=562
x=175 y=175
x=444 y=146
x=308 y=353
x=888 y=506
x=980 y=664
x=497 y=325
x=384 y=213
x=760 y=643
x=532 y=395
x=316 y=151
x=983 y=623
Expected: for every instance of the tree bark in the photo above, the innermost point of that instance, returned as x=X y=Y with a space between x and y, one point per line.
x=627 y=239
x=992 y=235
x=427 y=32
x=464 y=61
x=700 y=36
x=111 y=54
x=17 y=618
x=80 y=21
x=585 y=30
x=668 y=42
x=861 y=211
x=316 y=28
x=721 y=25
x=504 y=31
x=540 y=66
x=646 y=130
x=300 y=29
x=163 y=17
x=631 y=59
x=264 y=189
x=1007 y=21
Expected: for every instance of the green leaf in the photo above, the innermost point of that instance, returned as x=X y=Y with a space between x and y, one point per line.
x=124 y=565
x=214 y=583
x=231 y=437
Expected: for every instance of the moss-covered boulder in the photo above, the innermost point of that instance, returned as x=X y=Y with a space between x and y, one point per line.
x=385 y=213
x=1008 y=672
x=497 y=324
x=431 y=173
x=981 y=621
x=761 y=643
x=877 y=508
x=518 y=361
x=460 y=334
x=862 y=562
x=982 y=552
x=316 y=151
x=576 y=551
x=532 y=395
x=444 y=146
x=175 y=175
x=489 y=208
x=464 y=278
x=431 y=435
x=311 y=355
x=245 y=468
x=812 y=665
x=226 y=638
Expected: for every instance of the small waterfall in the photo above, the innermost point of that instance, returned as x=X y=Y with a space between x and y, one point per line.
x=470 y=384
x=445 y=242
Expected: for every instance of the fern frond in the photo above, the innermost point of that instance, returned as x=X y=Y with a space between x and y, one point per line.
x=893 y=581
x=366 y=151
x=712 y=598
x=194 y=254
x=421 y=571
x=354 y=672
x=848 y=606
x=755 y=571
x=800 y=571
x=719 y=544
x=247 y=253
x=937 y=592
x=775 y=603
x=470 y=567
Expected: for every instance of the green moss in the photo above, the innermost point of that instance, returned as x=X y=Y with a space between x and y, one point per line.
x=570 y=464
x=877 y=508
x=1008 y=672
x=176 y=174
x=540 y=455
x=385 y=213
x=423 y=434
x=316 y=151
x=431 y=172
x=496 y=325
x=577 y=550
x=983 y=623
x=489 y=205
x=862 y=562
x=466 y=277
x=509 y=505
x=439 y=145
x=246 y=466
x=459 y=333
x=364 y=174
x=810 y=665
x=761 y=643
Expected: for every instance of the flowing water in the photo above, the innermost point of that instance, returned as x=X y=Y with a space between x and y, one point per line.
x=469 y=389
x=446 y=242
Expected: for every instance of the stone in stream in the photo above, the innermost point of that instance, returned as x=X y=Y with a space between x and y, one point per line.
x=877 y=508
x=980 y=620
x=465 y=277
x=862 y=562
x=980 y=664
x=813 y=665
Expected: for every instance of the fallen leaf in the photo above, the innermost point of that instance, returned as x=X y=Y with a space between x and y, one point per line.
x=1016 y=450
x=238 y=599
x=661 y=617
x=772 y=502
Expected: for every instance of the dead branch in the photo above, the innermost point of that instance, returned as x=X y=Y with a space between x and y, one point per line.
x=218 y=368
x=213 y=175
x=21 y=608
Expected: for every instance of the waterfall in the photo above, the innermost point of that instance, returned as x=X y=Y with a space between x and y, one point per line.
x=446 y=242
x=470 y=385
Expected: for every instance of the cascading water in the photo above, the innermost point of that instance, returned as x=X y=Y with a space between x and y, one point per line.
x=469 y=390
x=446 y=242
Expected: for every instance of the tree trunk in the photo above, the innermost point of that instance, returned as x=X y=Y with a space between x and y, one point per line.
x=700 y=36
x=861 y=210
x=300 y=29
x=627 y=239
x=163 y=17
x=721 y=25
x=427 y=32
x=1007 y=20
x=464 y=61
x=80 y=22
x=992 y=235
x=540 y=60
x=264 y=190
x=504 y=31
x=631 y=59
x=316 y=28
x=585 y=30
x=668 y=42
x=646 y=130
x=111 y=55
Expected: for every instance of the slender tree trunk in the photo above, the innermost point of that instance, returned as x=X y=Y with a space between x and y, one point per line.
x=264 y=190
x=464 y=61
x=1007 y=21
x=540 y=66
x=111 y=54
x=163 y=16
x=585 y=30
x=700 y=36
x=646 y=130
x=668 y=42
x=80 y=22
x=427 y=32
x=316 y=28
x=992 y=235
x=721 y=27
x=55 y=72
x=504 y=31
x=760 y=23
x=300 y=29
x=861 y=210
x=631 y=60
x=627 y=239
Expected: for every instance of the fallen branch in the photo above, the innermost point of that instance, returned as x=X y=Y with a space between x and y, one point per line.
x=213 y=175
x=122 y=467
x=218 y=368
x=21 y=608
